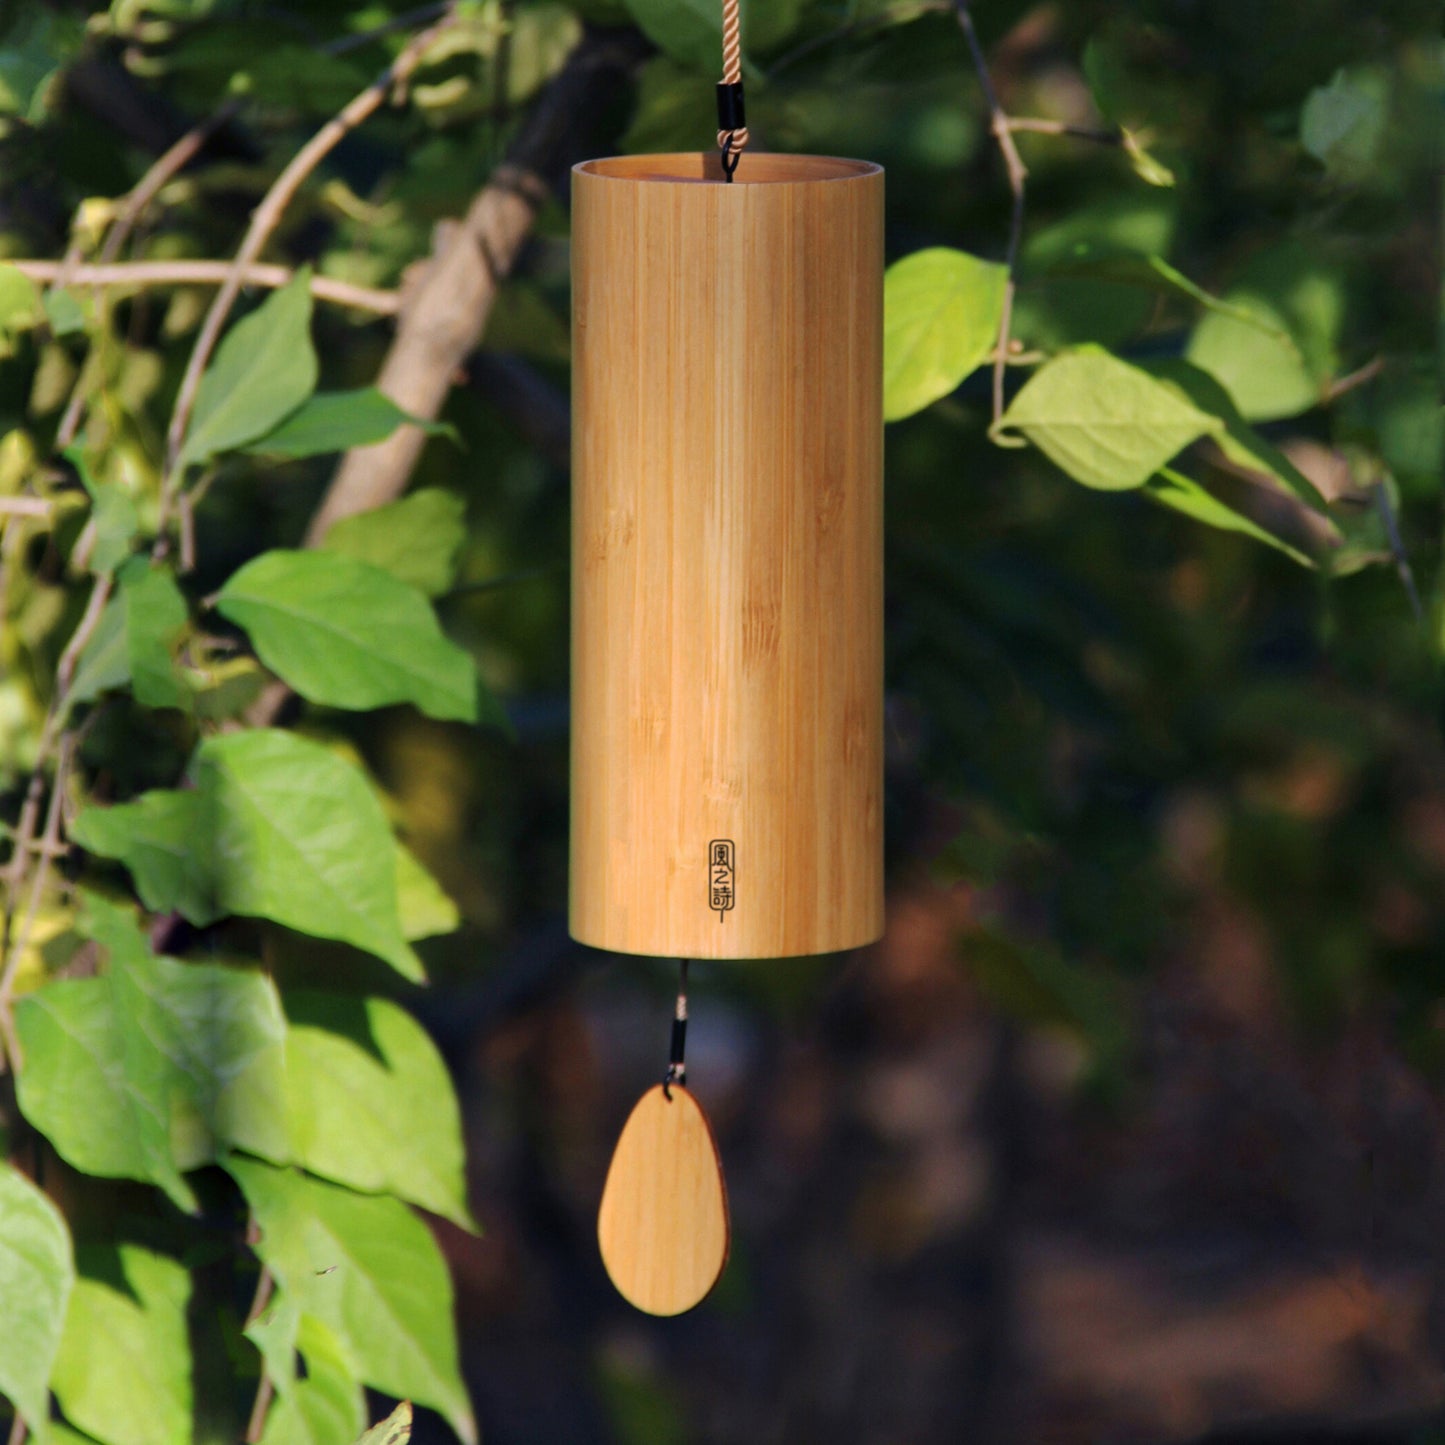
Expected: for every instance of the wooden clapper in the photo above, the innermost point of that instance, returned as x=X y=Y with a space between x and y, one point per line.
x=727 y=589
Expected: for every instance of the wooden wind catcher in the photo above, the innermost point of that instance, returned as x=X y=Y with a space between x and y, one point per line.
x=727 y=581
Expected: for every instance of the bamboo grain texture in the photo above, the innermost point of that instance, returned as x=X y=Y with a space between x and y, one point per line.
x=663 y=1223
x=727 y=566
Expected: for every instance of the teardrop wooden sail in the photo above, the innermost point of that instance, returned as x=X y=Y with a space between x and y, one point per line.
x=727 y=564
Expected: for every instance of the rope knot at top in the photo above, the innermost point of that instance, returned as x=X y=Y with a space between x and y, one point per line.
x=732 y=133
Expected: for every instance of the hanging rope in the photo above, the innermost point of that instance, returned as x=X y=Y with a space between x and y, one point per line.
x=732 y=133
x=676 y=1068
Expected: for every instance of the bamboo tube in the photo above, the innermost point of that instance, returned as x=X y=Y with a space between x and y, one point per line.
x=727 y=564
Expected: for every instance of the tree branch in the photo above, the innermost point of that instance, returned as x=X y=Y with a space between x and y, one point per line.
x=263 y=222
x=444 y=318
x=209 y=273
x=1017 y=173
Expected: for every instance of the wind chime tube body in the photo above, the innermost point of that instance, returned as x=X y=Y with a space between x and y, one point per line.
x=727 y=559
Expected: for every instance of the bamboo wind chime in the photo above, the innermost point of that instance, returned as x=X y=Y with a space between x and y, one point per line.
x=727 y=578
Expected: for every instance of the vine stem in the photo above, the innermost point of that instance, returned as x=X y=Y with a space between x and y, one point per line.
x=266 y=1388
x=23 y=851
x=204 y=273
x=1003 y=128
x=264 y=220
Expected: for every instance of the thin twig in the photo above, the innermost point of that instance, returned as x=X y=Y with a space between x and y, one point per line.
x=1017 y=175
x=1385 y=503
x=25 y=506
x=211 y=273
x=1360 y=377
x=21 y=856
x=266 y=1389
x=18 y=1431
x=131 y=207
x=1040 y=126
x=264 y=221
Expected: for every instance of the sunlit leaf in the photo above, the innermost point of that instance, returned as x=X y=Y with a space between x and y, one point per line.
x=298 y=836
x=416 y=539
x=124 y=1370
x=325 y=1407
x=366 y=1266
x=425 y=909
x=1106 y=423
x=36 y=1276
x=941 y=311
x=264 y=368
x=156 y=616
x=347 y=634
x=394 y=1430
x=337 y=420
x=1182 y=494
x=1342 y=123
x=370 y=1102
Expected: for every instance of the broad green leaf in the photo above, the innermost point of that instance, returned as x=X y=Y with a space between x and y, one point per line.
x=156 y=616
x=394 y=1430
x=112 y=513
x=225 y=689
x=349 y=635
x=1283 y=367
x=1183 y=494
x=105 y=660
x=416 y=539
x=691 y=30
x=36 y=1276
x=63 y=311
x=19 y=301
x=327 y=1406
x=369 y=1268
x=274 y=1335
x=1238 y=441
x=1342 y=123
x=124 y=1370
x=425 y=909
x=336 y=420
x=159 y=838
x=941 y=312
x=1106 y=423
x=298 y=836
x=154 y=1067
x=370 y=1102
x=264 y=368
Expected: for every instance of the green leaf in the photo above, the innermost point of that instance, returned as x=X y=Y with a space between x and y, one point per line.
x=394 y=1430
x=159 y=838
x=1182 y=494
x=1106 y=423
x=1283 y=367
x=941 y=311
x=416 y=539
x=19 y=301
x=112 y=512
x=105 y=660
x=367 y=1267
x=36 y=1276
x=334 y=421
x=327 y=1406
x=63 y=312
x=156 y=616
x=1342 y=123
x=264 y=369
x=124 y=1370
x=425 y=909
x=1238 y=441
x=370 y=1102
x=298 y=836
x=274 y=1335
x=155 y=1067
x=1147 y=167
x=349 y=635
x=691 y=30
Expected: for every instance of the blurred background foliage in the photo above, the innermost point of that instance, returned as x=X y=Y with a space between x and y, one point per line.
x=1155 y=1040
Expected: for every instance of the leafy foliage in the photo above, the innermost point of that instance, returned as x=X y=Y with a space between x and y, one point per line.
x=1218 y=308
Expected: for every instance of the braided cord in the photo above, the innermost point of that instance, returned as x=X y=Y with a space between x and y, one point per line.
x=732 y=54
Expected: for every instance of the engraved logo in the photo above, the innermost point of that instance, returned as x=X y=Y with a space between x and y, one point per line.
x=721 y=876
